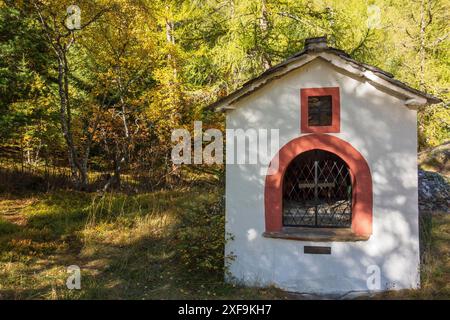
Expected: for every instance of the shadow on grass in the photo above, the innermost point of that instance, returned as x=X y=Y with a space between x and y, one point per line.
x=7 y=227
x=146 y=246
x=161 y=245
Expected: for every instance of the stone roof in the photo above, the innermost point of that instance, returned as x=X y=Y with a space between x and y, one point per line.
x=318 y=48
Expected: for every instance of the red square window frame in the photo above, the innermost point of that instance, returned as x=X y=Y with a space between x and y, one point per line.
x=335 y=126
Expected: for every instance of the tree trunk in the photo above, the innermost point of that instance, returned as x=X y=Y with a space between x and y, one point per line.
x=79 y=172
x=264 y=23
x=63 y=116
x=116 y=179
x=422 y=45
x=61 y=42
x=171 y=40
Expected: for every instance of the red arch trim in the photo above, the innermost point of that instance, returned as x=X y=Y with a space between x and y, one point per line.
x=359 y=170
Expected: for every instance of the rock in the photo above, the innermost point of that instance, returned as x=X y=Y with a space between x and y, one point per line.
x=434 y=192
x=436 y=159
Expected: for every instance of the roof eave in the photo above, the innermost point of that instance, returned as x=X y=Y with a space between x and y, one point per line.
x=377 y=77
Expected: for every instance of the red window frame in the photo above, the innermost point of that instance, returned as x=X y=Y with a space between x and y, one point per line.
x=362 y=198
x=335 y=126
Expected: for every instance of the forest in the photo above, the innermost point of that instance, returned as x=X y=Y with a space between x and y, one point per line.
x=90 y=91
x=104 y=97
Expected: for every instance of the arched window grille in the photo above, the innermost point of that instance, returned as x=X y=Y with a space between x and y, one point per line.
x=317 y=191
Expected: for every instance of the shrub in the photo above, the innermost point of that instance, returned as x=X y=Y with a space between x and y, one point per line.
x=200 y=237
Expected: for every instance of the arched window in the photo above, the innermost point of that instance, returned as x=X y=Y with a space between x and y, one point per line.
x=342 y=189
x=317 y=191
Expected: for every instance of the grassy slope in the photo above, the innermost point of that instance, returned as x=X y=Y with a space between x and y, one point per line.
x=125 y=245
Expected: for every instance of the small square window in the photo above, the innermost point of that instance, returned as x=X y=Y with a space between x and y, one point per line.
x=319 y=111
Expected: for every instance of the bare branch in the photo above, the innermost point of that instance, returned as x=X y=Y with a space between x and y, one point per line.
x=439 y=40
x=362 y=42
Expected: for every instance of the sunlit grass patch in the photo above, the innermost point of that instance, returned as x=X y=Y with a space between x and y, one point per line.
x=126 y=245
x=158 y=245
x=439 y=279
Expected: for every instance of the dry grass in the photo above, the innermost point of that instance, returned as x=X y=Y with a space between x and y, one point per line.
x=124 y=246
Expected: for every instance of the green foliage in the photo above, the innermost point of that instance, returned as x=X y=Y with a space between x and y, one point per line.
x=143 y=68
x=434 y=125
x=200 y=238
x=26 y=105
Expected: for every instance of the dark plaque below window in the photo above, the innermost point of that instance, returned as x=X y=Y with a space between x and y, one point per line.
x=316 y=250
x=319 y=111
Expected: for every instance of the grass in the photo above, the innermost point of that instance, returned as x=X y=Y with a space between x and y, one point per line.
x=435 y=267
x=128 y=247
x=160 y=245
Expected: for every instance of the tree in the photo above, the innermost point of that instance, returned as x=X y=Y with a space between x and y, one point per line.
x=61 y=38
x=27 y=108
x=120 y=57
x=422 y=50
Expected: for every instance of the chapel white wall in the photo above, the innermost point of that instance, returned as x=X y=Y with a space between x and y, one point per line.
x=383 y=130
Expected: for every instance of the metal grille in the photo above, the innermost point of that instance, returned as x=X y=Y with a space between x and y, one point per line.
x=317 y=191
x=319 y=111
